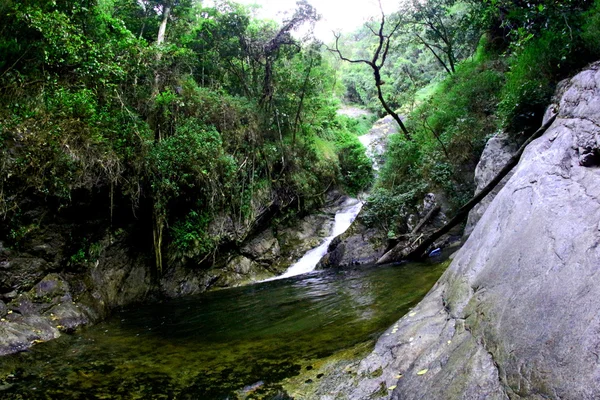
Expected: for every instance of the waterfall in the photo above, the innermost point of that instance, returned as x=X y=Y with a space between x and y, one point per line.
x=343 y=219
x=375 y=143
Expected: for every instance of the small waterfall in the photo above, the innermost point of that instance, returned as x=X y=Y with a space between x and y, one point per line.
x=343 y=219
x=375 y=143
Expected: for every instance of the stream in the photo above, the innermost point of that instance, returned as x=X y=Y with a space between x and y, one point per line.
x=240 y=343
x=223 y=344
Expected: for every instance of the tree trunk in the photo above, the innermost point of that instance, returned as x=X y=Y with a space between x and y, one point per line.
x=387 y=108
x=301 y=103
x=162 y=30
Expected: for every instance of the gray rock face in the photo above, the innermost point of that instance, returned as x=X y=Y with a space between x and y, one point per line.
x=264 y=247
x=498 y=150
x=63 y=302
x=358 y=245
x=516 y=313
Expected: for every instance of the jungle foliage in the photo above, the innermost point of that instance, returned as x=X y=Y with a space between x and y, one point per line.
x=204 y=120
x=183 y=113
x=462 y=71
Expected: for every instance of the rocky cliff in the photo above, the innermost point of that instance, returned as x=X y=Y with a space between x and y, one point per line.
x=46 y=289
x=515 y=315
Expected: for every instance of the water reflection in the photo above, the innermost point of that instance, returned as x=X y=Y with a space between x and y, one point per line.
x=213 y=345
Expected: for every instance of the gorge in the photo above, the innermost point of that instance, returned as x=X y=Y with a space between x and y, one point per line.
x=187 y=210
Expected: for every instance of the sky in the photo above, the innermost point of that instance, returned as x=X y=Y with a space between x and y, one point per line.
x=337 y=15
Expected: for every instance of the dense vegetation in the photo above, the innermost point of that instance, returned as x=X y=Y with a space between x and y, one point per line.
x=507 y=60
x=207 y=121
x=199 y=119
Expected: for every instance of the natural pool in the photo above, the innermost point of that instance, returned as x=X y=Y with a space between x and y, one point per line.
x=235 y=343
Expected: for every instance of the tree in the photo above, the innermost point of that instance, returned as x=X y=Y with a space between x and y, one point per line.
x=446 y=28
x=304 y=13
x=377 y=61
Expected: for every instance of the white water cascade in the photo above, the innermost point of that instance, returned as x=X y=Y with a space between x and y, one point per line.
x=375 y=143
x=343 y=219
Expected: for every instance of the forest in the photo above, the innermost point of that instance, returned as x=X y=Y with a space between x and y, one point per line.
x=156 y=118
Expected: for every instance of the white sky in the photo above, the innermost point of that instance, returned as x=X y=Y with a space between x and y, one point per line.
x=338 y=15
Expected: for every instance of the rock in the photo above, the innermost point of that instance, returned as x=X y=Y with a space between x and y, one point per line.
x=305 y=235
x=240 y=271
x=358 y=245
x=24 y=332
x=52 y=286
x=3 y=309
x=498 y=150
x=515 y=315
x=21 y=273
x=67 y=316
x=180 y=281
x=263 y=247
x=376 y=140
x=10 y=295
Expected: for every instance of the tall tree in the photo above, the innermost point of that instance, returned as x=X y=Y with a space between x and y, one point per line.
x=384 y=36
x=446 y=28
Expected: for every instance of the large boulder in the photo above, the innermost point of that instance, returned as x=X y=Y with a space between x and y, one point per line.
x=263 y=247
x=516 y=313
x=498 y=150
x=357 y=246
x=63 y=302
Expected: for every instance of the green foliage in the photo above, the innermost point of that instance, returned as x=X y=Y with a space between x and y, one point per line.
x=230 y=115
x=190 y=235
x=355 y=167
x=552 y=39
x=193 y=158
x=591 y=30
x=388 y=209
x=530 y=81
x=449 y=132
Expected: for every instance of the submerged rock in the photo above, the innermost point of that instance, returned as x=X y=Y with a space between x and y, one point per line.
x=515 y=315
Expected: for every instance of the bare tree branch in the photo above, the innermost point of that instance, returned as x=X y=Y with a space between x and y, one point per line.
x=376 y=63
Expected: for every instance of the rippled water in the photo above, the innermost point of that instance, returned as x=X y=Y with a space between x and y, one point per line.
x=216 y=346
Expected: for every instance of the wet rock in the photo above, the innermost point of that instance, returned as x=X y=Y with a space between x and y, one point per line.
x=24 y=332
x=303 y=236
x=10 y=295
x=51 y=287
x=21 y=273
x=3 y=309
x=67 y=316
x=358 y=245
x=118 y=278
x=263 y=247
x=180 y=281
x=240 y=271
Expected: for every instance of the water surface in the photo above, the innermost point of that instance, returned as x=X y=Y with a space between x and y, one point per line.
x=234 y=343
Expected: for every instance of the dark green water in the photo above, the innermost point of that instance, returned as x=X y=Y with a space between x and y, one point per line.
x=213 y=346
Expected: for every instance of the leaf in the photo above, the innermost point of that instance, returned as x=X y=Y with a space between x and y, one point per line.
x=422 y=372
x=392 y=387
